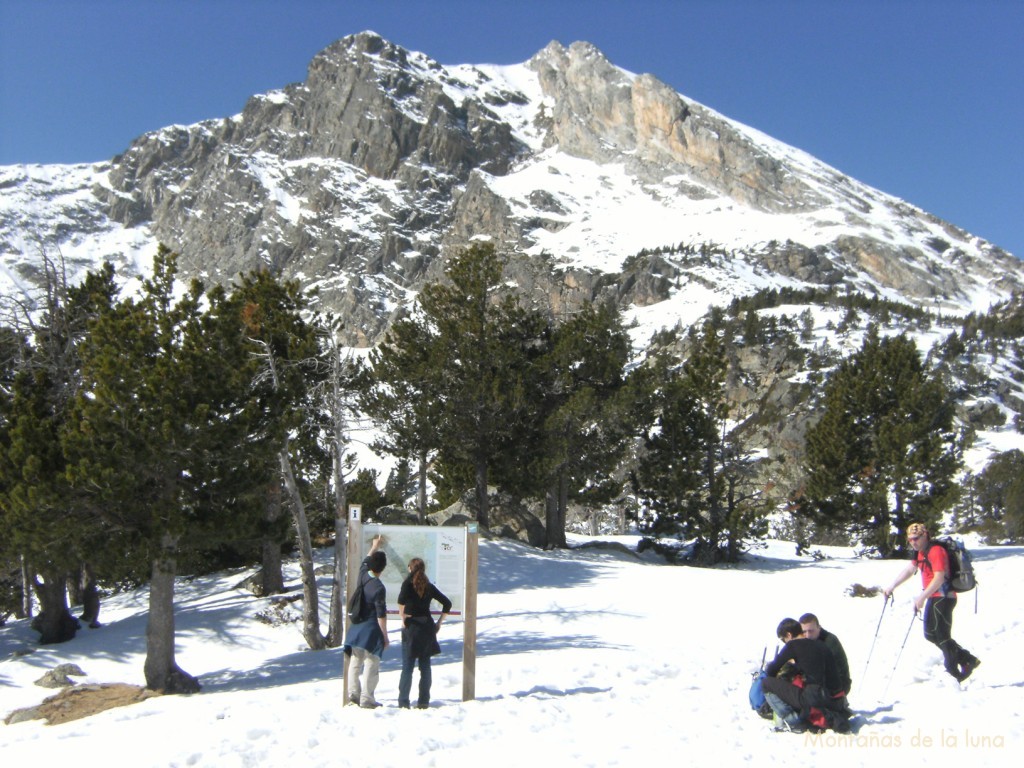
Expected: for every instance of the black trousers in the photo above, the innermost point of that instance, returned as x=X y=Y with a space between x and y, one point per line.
x=784 y=689
x=801 y=700
x=938 y=629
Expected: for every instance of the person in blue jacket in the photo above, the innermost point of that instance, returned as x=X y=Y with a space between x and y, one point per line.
x=367 y=638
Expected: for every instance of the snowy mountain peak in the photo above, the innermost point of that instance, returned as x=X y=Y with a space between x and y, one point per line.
x=362 y=178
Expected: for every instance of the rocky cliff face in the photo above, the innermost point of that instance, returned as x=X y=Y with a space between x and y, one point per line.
x=361 y=179
x=602 y=113
x=346 y=180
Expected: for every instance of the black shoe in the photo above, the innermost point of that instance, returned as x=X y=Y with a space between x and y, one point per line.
x=423 y=705
x=353 y=700
x=968 y=667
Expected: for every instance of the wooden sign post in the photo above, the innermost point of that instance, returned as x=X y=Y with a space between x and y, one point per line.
x=469 y=613
x=352 y=558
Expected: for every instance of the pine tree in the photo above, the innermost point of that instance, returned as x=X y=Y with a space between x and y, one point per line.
x=42 y=524
x=403 y=394
x=399 y=484
x=885 y=451
x=14 y=590
x=584 y=436
x=364 y=491
x=695 y=475
x=286 y=366
x=46 y=522
x=158 y=438
x=482 y=349
x=1000 y=497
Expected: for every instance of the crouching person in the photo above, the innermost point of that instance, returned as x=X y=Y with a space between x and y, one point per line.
x=802 y=686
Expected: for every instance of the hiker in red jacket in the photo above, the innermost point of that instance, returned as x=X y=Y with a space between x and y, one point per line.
x=937 y=600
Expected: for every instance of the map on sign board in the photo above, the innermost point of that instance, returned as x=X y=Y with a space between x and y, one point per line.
x=442 y=549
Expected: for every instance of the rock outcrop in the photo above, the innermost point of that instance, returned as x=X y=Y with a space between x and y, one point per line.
x=361 y=179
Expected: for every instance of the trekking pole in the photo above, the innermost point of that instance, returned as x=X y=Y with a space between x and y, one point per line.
x=757 y=673
x=875 y=638
x=912 y=619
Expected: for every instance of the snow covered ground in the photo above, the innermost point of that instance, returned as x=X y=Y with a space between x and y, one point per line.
x=586 y=657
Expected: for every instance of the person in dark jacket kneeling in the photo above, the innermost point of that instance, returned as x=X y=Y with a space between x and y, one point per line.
x=814 y=631
x=813 y=682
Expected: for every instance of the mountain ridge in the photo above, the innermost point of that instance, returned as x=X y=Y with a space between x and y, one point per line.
x=361 y=179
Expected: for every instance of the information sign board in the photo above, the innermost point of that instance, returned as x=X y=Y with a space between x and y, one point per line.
x=442 y=549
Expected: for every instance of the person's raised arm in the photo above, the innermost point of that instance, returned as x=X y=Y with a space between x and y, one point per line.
x=905 y=574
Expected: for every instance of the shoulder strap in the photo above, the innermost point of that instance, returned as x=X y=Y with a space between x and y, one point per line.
x=921 y=556
x=950 y=563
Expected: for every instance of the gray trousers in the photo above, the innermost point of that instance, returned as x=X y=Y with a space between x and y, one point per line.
x=363 y=674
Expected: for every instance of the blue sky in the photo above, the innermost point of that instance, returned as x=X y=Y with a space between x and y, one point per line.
x=923 y=99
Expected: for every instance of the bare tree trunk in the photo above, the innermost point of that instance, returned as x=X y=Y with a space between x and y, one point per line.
x=550 y=514
x=26 y=590
x=161 y=670
x=732 y=551
x=90 y=597
x=75 y=588
x=82 y=591
x=54 y=623
x=481 y=494
x=336 y=622
x=562 y=510
x=311 y=608
x=336 y=626
x=421 y=489
x=556 y=504
x=272 y=574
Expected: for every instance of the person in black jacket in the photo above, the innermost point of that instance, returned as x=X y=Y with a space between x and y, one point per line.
x=419 y=631
x=813 y=662
x=813 y=630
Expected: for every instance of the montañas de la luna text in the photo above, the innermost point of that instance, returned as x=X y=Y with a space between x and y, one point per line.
x=946 y=738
